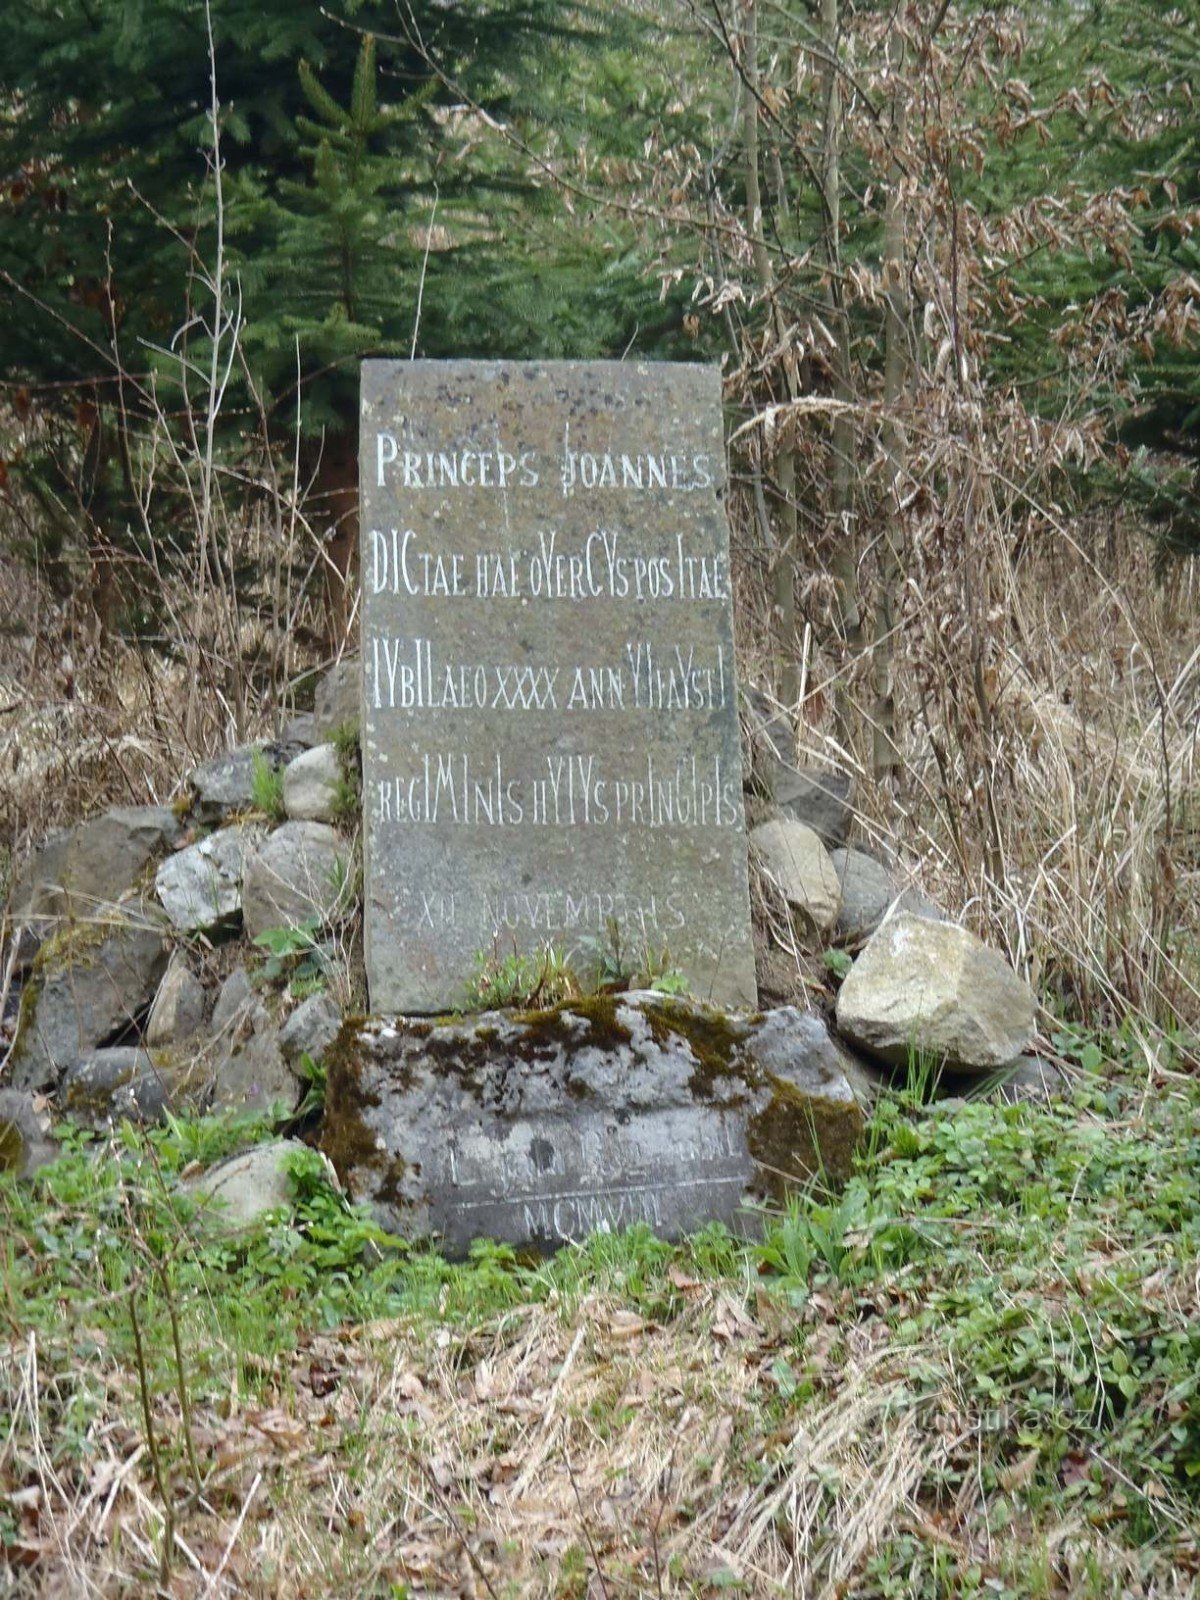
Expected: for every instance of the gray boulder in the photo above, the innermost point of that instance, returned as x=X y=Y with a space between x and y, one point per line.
x=800 y=866
x=597 y=1115
x=934 y=989
x=312 y=782
x=25 y=1142
x=301 y=730
x=89 y=985
x=248 y=1070
x=80 y=871
x=179 y=1005
x=238 y=1192
x=112 y=1085
x=311 y=1028
x=250 y=1073
x=869 y=892
x=823 y=801
x=225 y=783
x=234 y=999
x=337 y=701
x=298 y=874
x=200 y=887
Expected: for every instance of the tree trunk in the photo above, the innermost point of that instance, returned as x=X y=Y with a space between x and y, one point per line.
x=897 y=316
x=845 y=546
x=783 y=569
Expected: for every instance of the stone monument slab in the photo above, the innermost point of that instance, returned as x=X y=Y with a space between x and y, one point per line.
x=549 y=728
x=609 y=1111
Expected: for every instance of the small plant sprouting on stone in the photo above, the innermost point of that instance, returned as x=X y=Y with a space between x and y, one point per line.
x=618 y=968
x=266 y=788
x=527 y=980
x=293 y=953
x=837 y=964
x=313 y=1076
x=344 y=739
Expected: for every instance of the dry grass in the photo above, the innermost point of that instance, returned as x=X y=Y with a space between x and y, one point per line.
x=1066 y=829
x=551 y=1452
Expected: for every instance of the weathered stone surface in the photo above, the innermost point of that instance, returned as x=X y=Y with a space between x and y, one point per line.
x=225 y=783
x=81 y=871
x=25 y=1142
x=88 y=985
x=299 y=873
x=933 y=988
x=241 y=1190
x=550 y=740
x=179 y=1005
x=235 y=997
x=301 y=730
x=823 y=801
x=1030 y=1080
x=311 y=1028
x=869 y=892
x=113 y=1084
x=601 y=1114
x=39 y=893
x=251 y=1073
x=799 y=865
x=200 y=887
x=311 y=784
x=337 y=702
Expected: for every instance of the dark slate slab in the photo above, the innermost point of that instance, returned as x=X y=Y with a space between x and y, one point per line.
x=541 y=1129
x=550 y=734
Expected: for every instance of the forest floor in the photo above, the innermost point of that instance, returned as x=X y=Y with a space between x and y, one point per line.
x=974 y=1371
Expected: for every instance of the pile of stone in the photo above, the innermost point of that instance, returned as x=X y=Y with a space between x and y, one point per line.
x=135 y=966
x=132 y=972
x=921 y=989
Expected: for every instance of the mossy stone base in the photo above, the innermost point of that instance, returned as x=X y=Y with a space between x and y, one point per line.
x=540 y=1127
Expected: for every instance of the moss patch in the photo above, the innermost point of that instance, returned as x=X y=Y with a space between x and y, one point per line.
x=75 y=944
x=347 y=1138
x=717 y=1042
x=798 y=1136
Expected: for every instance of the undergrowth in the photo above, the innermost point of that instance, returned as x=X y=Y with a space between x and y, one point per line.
x=1012 y=1288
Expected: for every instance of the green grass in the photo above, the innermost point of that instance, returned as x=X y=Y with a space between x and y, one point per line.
x=266 y=788
x=1029 y=1273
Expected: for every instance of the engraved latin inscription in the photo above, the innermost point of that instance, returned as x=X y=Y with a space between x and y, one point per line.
x=549 y=708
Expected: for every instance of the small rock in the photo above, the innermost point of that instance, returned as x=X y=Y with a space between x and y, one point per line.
x=246 y=1186
x=226 y=783
x=869 y=892
x=106 y=1086
x=301 y=730
x=252 y=1074
x=933 y=988
x=89 y=985
x=311 y=1028
x=200 y=887
x=235 y=999
x=799 y=864
x=25 y=1142
x=1030 y=1081
x=823 y=801
x=311 y=784
x=178 y=1009
x=300 y=873
x=80 y=871
x=338 y=698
